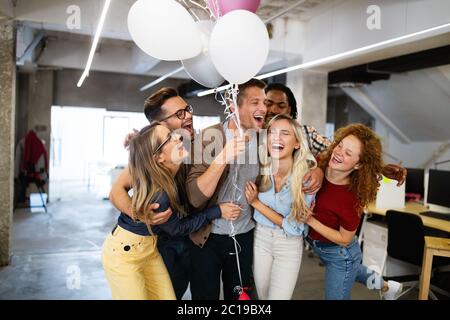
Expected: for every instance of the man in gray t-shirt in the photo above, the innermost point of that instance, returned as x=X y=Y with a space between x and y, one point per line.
x=213 y=253
x=232 y=190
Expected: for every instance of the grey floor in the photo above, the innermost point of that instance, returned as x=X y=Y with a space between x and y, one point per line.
x=56 y=255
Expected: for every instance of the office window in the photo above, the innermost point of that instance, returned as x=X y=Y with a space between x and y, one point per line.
x=202 y=122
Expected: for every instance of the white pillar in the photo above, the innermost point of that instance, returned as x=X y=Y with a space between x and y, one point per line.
x=311 y=91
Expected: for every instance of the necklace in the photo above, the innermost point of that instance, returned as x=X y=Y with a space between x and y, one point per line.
x=279 y=182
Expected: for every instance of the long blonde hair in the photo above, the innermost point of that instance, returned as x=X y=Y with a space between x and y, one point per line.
x=303 y=162
x=149 y=177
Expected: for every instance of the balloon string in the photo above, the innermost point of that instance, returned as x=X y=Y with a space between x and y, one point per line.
x=217 y=9
x=233 y=92
x=190 y=10
x=238 y=289
x=204 y=7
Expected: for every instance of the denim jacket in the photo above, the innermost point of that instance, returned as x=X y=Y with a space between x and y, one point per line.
x=281 y=203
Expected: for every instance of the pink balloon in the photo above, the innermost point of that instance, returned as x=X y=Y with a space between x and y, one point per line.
x=226 y=6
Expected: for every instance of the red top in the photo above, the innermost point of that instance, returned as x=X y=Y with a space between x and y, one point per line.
x=335 y=207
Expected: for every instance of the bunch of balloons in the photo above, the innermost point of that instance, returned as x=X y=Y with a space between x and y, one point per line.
x=233 y=48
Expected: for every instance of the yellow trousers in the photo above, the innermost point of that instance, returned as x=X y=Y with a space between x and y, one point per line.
x=134 y=268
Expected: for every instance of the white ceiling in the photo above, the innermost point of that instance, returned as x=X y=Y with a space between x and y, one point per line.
x=50 y=16
x=412 y=101
x=117 y=53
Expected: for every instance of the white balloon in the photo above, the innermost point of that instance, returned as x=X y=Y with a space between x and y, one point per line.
x=239 y=46
x=201 y=68
x=164 y=29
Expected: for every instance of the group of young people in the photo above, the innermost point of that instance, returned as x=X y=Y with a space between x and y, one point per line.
x=214 y=215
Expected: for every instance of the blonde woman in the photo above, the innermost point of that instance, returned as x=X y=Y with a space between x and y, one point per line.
x=279 y=209
x=133 y=265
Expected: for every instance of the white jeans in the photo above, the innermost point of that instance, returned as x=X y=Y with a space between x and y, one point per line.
x=276 y=265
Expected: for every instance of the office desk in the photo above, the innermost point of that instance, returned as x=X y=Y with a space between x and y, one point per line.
x=433 y=247
x=416 y=208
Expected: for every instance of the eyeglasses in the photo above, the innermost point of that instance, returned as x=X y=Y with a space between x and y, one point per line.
x=270 y=103
x=171 y=136
x=181 y=114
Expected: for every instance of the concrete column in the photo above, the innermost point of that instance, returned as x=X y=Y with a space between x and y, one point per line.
x=311 y=91
x=40 y=102
x=34 y=109
x=7 y=109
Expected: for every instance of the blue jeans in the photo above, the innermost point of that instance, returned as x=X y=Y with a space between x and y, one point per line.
x=342 y=265
x=369 y=278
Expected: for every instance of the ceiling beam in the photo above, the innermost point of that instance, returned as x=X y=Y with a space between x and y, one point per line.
x=27 y=56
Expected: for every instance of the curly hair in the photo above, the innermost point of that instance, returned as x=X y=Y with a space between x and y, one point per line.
x=365 y=181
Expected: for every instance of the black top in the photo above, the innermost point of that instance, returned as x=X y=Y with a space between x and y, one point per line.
x=175 y=226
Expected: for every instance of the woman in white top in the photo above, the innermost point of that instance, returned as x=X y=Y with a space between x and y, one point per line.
x=279 y=209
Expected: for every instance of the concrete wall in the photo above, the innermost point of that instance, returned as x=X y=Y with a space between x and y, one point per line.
x=117 y=92
x=6 y=8
x=7 y=109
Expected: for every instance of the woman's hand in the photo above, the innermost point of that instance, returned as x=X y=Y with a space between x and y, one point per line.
x=308 y=214
x=230 y=211
x=251 y=193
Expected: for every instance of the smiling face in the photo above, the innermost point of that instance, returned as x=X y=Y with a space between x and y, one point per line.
x=281 y=140
x=170 y=107
x=172 y=151
x=277 y=103
x=252 y=110
x=346 y=155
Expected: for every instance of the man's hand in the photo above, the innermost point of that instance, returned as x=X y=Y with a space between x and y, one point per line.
x=230 y=211
x=312 y=182
x=159 y=218
x=395 y=172
x=232 y=150
x=129 y=137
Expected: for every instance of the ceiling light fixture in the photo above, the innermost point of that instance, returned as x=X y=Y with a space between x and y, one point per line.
x=161 y=79
x=95 y=43
x=337 y=57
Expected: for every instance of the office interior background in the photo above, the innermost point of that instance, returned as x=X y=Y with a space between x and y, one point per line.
x=385 y=64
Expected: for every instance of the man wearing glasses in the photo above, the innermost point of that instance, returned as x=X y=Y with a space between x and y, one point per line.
x=167 y=107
